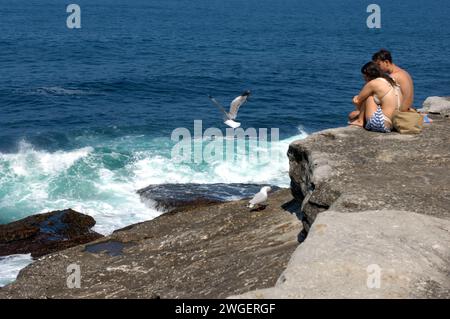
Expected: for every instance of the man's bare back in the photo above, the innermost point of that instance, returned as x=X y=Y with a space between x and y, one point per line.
x=406 y=85
x=384 y=60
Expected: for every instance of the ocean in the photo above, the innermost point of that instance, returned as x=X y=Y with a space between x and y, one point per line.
x=86 y=115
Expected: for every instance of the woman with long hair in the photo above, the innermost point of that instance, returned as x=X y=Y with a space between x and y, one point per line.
x=378 y=100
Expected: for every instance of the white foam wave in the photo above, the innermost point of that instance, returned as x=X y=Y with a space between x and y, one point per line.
x=10 y=267
x=33 y=181
x=151 y=169
x=28 y=160
x=57 y=90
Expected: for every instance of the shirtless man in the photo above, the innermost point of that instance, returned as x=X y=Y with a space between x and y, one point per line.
x=384 y=60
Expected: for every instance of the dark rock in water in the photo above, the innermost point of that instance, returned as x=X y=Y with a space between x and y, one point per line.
x=46 y=233
x=169 y=197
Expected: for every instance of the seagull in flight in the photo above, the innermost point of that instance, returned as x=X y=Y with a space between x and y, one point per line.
x=229 y=117
x=260 y=198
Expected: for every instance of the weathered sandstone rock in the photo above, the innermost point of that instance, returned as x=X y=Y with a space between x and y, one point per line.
x=345 y=252
x=205 y=252
x=437 y=104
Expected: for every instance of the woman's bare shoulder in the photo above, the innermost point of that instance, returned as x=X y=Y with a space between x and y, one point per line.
x=373 y=83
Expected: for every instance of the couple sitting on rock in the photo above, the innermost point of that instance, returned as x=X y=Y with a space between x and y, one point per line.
x=388 y=89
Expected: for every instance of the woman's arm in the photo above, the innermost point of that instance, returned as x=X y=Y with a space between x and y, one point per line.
x=366 y=91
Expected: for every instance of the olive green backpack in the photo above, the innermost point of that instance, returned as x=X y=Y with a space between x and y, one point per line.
x=409 y=122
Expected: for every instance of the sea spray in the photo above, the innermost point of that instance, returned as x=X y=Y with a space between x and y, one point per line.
x=101 y=180
x=10 y=267
x=211 y=145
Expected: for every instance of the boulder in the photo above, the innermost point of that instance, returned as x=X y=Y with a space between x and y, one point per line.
x=437 y=104
x=42 y=234
x=350 y=169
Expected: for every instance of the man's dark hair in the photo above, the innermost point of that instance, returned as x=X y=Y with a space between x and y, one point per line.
x=382 y=55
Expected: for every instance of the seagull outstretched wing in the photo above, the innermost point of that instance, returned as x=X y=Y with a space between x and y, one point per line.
x=227 y=116
x=235 y=105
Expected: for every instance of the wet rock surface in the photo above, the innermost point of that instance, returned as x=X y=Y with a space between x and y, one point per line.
x=204 y=252
x=170 y=197
x=43 y=234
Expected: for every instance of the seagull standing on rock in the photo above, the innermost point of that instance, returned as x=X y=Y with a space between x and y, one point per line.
x=259 y=198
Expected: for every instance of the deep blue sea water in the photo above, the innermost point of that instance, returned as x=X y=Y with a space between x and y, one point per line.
x=86 y=115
